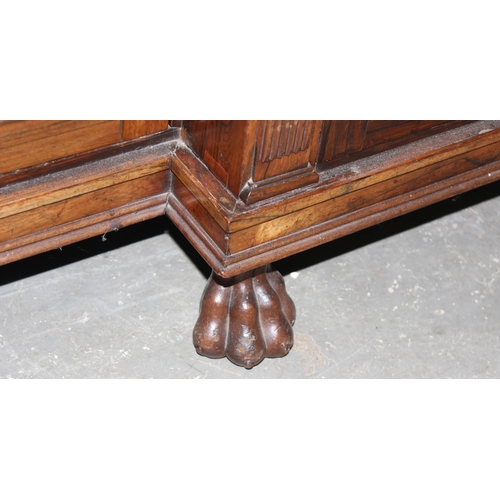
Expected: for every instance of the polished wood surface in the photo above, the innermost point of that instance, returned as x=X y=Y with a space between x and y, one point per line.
x=246 y=318
x=43 y=207
x=28 y=143
x=244 y=193
x=234 y=236
x=133 y=129
x=343 y=141
x=31 y=149
x=226 y=147
x=357 y=174
x=259 y=159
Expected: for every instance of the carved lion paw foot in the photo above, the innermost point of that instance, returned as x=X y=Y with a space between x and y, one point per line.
x=246 y=318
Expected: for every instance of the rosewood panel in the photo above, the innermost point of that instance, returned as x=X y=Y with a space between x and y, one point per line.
x=358 y=198
x=285 y=156
x=85 y=198
x=343 y=141
x=244 y=193
x=226 y=147
x=257 y=160
x=341 y=137
x=368 y=191
x=284 y=146
x=77 y=207
x=31 y=142
x=133 y=129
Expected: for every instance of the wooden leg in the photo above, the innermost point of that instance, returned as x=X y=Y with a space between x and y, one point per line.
x=247 y=318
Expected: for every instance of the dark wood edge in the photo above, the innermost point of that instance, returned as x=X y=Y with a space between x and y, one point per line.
x=375 y=214
x=196 y=235
x=197 y=178
x=84 y=228
x=226 y=210
x=103 y=153
x=47 y=189
x=233 y=215
x=231 y=265
x=269 y=188
x=370 y=151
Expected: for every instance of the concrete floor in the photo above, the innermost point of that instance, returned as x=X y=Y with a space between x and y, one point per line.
x=415 y=297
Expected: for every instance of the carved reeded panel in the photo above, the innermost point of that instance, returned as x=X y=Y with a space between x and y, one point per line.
x=282 y=147
x=285 y=156
x=257 y=159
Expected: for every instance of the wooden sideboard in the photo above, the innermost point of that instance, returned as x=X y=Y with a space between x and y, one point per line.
x=63 y=181
x=244 y=193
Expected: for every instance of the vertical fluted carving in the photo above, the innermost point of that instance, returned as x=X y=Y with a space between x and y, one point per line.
x=246 y=318
x=282 y=138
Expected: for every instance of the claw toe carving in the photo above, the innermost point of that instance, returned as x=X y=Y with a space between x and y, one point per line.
x=246 y=318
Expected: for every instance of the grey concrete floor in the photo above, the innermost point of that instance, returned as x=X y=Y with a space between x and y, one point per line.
x=415 y=297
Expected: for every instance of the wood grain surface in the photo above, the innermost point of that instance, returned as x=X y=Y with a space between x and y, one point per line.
x=226 y=147
x=236 y=222
x=343 y=141
x=47 y=211
x=233 y=236
x=26 y=143
x=132 y=129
